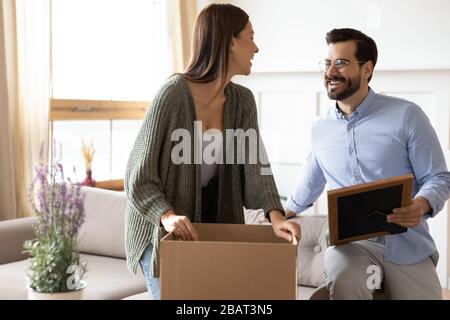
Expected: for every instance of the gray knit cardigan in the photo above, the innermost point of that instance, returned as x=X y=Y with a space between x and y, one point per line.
x=154 y=184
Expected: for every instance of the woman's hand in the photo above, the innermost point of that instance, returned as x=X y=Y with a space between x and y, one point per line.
x=180 y=226
x=282 y=228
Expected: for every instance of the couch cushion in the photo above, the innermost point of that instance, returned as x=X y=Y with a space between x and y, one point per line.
x=103 y=231
x=13 y=234
x=107 y=279
x=12 y=280
x=139 y=296
x=304 y=293
x=311 y=248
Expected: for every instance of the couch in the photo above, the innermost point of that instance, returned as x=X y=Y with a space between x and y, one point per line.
x=101 y=245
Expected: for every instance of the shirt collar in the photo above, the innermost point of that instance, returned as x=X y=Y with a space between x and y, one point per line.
x=361 y=110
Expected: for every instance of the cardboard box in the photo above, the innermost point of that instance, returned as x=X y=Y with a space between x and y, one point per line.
x=229 y=262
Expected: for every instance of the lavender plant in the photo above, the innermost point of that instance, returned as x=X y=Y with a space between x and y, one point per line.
x=59 y=205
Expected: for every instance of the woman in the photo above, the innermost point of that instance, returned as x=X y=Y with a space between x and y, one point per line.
x=166 y=194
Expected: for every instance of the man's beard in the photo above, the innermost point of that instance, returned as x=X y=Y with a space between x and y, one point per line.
x=350 y=88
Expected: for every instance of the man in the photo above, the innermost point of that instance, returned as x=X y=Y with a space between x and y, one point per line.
x=366 y=137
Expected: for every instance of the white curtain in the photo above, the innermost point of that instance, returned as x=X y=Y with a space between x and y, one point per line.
x=182 y=15
x=24 y=98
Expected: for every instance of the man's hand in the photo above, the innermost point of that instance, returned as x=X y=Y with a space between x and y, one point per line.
x=282 y=228
x=411 y=215
x=180 y=225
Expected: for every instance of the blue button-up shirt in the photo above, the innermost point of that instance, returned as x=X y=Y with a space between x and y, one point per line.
x=384 y=137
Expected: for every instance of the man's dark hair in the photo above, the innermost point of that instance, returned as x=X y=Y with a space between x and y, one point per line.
x=366 y=48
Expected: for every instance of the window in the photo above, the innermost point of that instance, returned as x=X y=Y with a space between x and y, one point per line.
x=108 y=59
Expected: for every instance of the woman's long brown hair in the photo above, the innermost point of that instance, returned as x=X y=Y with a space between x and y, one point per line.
x=214 y=29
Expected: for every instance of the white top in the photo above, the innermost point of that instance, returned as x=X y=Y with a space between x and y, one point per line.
x=212 y=150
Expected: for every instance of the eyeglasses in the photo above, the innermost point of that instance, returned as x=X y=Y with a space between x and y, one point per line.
x=339 y=64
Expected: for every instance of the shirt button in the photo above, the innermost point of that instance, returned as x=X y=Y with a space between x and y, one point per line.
x=317 y=249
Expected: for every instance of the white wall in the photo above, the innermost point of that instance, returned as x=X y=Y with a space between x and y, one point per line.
x=412 y=36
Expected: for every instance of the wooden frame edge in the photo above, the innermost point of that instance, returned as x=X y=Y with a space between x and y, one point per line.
x=333 y=221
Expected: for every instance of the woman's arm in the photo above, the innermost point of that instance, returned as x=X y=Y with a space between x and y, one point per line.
x=142 y=182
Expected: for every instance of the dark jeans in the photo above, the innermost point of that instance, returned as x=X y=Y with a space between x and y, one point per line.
x=209 y=201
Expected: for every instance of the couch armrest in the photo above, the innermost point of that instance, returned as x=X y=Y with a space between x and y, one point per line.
x=13 y=234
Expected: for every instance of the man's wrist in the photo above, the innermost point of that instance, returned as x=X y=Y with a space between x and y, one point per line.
x=423 y=202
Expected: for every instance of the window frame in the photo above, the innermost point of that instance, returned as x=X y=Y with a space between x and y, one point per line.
x=80 y=110
x=74 y=109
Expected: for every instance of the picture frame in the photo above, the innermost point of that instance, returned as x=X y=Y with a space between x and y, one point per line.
x=359 y=212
